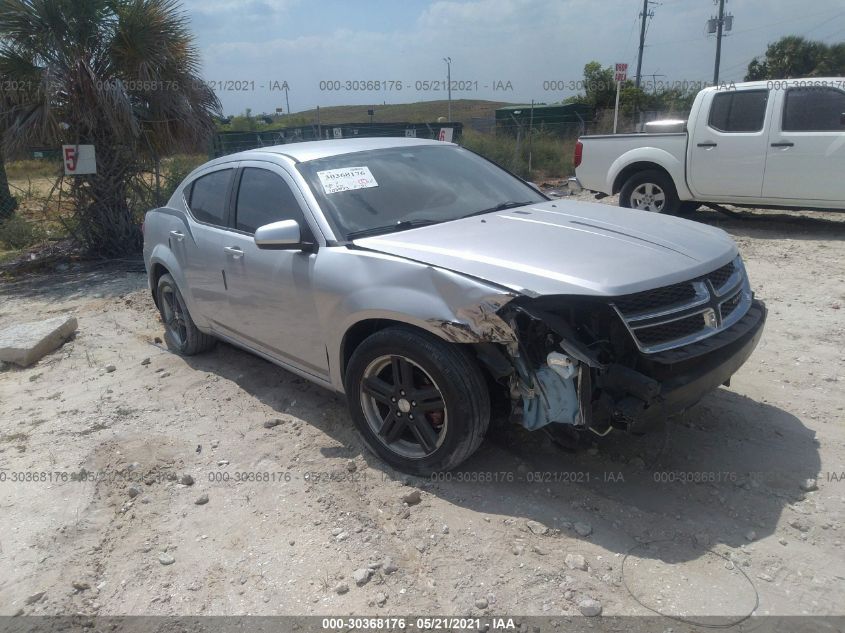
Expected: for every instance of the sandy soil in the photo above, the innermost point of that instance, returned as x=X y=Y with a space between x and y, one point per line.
x=93 y=501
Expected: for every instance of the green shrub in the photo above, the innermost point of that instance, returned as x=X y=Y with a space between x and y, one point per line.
x=17 y=233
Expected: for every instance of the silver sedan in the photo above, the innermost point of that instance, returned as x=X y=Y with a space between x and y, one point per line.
x=430 y=286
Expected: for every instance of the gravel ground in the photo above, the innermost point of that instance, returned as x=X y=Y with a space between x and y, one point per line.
x=220 y=484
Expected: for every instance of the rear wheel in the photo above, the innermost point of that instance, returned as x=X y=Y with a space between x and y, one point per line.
x=421 y=404
x=180 y=333
x=650 y=190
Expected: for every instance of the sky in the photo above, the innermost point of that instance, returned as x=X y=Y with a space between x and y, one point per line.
x=502 y=50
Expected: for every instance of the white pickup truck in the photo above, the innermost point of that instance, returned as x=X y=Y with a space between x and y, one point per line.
x=778 y=143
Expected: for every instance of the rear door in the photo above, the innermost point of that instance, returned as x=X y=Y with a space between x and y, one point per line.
x=728 y=145
x=271 y=305
x=806 y=153
x=201 y=247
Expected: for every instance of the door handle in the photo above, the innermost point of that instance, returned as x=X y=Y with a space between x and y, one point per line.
x=176 y=235
x=708 y=144
x=234 y=251
x=783 y=144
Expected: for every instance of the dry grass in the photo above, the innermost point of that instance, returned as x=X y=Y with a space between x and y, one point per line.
x=549 y=156
x=33 y=169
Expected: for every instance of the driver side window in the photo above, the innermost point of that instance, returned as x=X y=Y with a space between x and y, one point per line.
x=263 y=197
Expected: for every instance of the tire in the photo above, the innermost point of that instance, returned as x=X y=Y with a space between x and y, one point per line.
x=430 y=372
x=180 y=333
x=650 y=190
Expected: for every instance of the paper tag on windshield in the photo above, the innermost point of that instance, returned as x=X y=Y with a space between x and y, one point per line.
x=346 y=179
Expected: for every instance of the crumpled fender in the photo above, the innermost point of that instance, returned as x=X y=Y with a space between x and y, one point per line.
x=450 y=305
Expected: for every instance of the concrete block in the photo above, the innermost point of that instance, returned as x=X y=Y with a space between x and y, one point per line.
x=26 y=343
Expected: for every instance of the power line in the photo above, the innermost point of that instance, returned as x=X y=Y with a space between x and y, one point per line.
x=764 y=26
x=827 y=21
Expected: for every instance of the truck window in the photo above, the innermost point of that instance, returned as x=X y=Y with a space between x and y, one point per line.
x=263 y=197
x=739 y=111
x=814 y=109
x=209 y=195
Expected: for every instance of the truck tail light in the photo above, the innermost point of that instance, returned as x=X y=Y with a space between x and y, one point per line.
x=579 y=154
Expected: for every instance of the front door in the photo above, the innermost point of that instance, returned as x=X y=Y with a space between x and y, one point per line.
x=271 y=306
x=727 y=152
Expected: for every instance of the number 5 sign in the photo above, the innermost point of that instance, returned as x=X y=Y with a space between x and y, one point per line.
x=79 y=159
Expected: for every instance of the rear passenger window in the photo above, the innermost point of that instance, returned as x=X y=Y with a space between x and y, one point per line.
x=814 y=109
x=263 y=197
x=209 y=195
x=739 y=111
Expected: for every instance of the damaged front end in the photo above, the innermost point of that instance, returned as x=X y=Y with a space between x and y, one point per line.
x=574 y=361
x=562 y=352
x=598 y=362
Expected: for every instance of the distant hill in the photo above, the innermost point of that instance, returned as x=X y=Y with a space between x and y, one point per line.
x=421 y=112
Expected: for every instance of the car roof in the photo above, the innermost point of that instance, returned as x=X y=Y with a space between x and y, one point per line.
x=833 y=82
x=312 y=150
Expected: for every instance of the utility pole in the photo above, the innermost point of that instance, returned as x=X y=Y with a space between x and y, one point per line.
x=448 y=61
x=645 y=15
x=287 y=101
x=719 y=26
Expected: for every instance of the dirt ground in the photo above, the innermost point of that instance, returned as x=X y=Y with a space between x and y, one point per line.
x=709 y=514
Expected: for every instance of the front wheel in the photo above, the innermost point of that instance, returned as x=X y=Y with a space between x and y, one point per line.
x=420 y=404
x=650 y=190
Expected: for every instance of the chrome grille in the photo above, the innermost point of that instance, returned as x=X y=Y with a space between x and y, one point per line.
x=654 y=299
x=683 y=313
x=671 y=330
x=731 y=304
x=721 y=276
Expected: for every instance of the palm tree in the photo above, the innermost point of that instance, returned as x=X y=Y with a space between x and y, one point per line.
x=122 y=75
x=8 y=203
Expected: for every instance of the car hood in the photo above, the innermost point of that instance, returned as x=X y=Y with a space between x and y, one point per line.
x=566 y=247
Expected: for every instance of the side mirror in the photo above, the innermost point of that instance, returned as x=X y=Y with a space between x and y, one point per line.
x=279 y=235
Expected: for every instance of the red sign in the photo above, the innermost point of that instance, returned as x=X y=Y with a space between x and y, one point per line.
x=621 y=72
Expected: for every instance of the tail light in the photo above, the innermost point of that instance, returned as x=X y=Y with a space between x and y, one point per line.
x=579 y=154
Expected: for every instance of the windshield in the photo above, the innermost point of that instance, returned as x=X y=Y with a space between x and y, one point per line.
x=379 y=191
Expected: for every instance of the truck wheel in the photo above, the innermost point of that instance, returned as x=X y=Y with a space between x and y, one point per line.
x=180 y=333
x=421 y=404
x=649 y=190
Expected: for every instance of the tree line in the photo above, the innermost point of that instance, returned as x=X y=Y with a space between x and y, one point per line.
x=789 y=57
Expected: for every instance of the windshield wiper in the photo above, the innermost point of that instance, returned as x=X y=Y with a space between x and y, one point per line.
x=499 y=207
x=390 y=228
